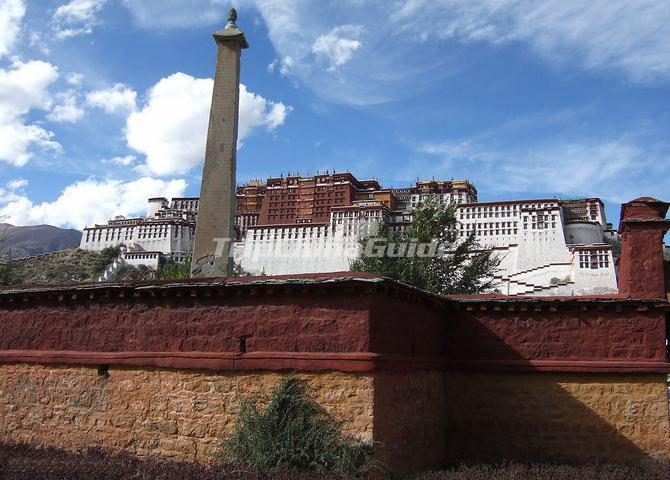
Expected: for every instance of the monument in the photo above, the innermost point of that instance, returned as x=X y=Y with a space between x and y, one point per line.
x=216 y=214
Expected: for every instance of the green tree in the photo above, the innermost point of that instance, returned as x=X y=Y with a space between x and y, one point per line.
x=450 y=265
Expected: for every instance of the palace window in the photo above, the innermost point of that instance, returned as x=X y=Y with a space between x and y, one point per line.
x=594 y=259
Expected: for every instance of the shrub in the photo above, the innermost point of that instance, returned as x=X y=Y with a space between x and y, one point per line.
x=141 y=272
x=239 y=271
x=7 y=274
x=171 y=270
x=294 y=433
x=105 y=258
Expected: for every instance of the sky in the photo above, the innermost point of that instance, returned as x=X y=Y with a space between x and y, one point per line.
x=104 y=103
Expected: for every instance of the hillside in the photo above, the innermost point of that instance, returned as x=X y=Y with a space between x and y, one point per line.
x=17 y=242
x=65 y=266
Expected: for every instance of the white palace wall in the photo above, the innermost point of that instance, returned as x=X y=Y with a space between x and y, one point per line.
x=529 y=239
x=295 y=249
x=162 y=237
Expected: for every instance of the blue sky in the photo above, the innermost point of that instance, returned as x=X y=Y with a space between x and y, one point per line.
x=104 y=103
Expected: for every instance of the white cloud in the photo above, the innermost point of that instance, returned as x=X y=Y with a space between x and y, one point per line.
x=89 y=201
x=285 y=65
x=616 y=169
x=11 y=15
x=257 y=112
x=631 y=37
x=17 y=184
x=66 y=109
x=74 y=78
x=180 y=14
x=38 y=43
x=122 y=161
x=403 y=50
x=338 y=45
x=18 y=138
x=24 y=87
x=77 y=17
x=119 y=98
x=171 y=128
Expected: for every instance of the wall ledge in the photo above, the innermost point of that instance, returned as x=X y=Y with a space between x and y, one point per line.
x=342 y=362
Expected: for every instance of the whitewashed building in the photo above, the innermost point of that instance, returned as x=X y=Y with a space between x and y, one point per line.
x=546 y=246
x=167 y=231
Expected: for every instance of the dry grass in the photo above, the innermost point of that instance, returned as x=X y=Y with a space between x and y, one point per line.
x=656 y=471
x=21 y=462
x=65 y=266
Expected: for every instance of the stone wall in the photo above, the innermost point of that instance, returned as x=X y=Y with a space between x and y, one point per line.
x=419 y=420
x=169 y=413
x=409 y=420
x=574 y=417
x=434 y=418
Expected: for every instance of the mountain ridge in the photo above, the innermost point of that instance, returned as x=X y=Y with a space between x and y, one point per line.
x=26 y=241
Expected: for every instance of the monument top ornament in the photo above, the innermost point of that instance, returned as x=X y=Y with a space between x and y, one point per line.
x=231 y=31
x=232 y=18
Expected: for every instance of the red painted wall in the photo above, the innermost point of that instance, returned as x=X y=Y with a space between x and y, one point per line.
x=393 y=325
x=290 y=323
x=565 y=334
x=641 y=265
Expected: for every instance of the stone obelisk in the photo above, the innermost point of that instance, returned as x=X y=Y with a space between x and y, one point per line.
x=212 y=251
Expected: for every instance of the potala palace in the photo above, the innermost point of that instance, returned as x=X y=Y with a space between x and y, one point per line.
x=297 y=224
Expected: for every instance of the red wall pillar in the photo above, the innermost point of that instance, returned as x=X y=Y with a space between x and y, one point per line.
x=641 y=266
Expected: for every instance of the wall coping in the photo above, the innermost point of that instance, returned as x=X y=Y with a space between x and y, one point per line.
x=303 y=283
x=223 y=287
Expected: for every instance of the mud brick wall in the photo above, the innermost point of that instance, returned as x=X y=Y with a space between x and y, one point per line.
x=168 y=413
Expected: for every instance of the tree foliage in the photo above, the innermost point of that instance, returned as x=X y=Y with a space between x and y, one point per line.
x=171 y=270
x=294 y=433
x=460 y=265
x=8 y=274
x=140 y=272
x=105 y=258
x=239 y=271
